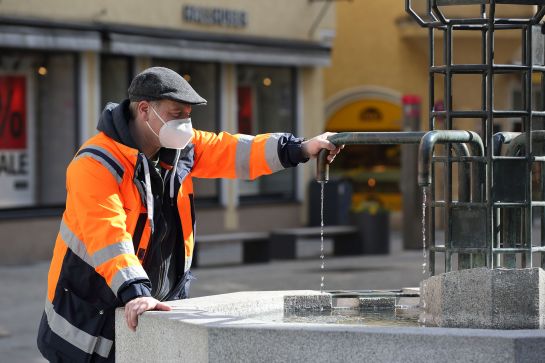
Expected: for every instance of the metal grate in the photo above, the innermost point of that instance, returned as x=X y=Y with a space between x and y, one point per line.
x=491 y=224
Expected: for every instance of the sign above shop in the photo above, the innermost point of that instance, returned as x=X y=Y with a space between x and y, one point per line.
x=366 y=115
x=371 y=114
x=214 y=16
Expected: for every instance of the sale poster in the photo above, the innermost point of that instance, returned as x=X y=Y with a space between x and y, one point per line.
x=16 y=184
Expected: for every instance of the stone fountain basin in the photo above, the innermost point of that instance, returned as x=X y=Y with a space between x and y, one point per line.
x=214 y=329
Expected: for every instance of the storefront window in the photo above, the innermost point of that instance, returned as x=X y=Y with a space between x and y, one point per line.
x=115 y=77
x=266 y=98
x=203 y=77
x=38 y=127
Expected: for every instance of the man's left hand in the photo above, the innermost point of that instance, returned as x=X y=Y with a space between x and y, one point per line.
x=312 y=147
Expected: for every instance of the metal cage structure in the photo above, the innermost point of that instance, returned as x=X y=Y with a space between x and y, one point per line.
x=489 y=222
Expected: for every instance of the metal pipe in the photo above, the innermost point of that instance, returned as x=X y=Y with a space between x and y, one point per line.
x=363 y=138
x=501 y=138
x=427 y=145
x=519 y=141
x=464 y=170
x=391 y=138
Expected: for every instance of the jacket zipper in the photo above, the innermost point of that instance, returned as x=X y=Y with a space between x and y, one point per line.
x=163 y=271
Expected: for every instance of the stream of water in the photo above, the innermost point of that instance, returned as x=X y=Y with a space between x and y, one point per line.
x=424 y=254
x=322 y=256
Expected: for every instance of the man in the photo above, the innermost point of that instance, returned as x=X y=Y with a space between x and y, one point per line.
x=127 y=233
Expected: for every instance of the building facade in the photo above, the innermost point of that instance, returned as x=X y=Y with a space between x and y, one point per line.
x=258 y=63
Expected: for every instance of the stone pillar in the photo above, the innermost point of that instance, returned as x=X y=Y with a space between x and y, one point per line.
x=485 y=298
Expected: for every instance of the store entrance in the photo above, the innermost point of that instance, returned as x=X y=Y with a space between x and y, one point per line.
x=373 y=170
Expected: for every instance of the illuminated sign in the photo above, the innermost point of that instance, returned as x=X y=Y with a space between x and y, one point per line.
x=372 y=114
x=215 y=16
x=366 y=115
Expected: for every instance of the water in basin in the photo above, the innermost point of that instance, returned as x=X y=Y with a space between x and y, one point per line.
x=378 y=318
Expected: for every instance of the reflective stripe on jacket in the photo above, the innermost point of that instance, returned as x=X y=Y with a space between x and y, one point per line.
x=104 y=233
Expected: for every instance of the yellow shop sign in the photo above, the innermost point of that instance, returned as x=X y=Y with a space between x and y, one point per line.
x=366 y=115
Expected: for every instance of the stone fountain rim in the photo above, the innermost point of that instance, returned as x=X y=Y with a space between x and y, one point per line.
x=183 y=312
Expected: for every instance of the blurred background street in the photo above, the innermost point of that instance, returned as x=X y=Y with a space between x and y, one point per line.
x=298 y=66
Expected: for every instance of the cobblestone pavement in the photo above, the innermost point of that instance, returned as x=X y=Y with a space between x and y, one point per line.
x=23 y=287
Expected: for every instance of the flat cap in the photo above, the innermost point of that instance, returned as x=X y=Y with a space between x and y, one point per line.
x=159 y=83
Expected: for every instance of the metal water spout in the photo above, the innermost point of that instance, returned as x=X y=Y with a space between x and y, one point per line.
x=363 y=138
x=396 y=138
x=431 y=138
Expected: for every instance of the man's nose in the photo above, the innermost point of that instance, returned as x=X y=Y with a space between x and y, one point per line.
x=187 y=109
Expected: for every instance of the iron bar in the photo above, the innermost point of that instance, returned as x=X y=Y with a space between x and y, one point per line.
x=527 y=231
x=468 y=205
x=442 y=248
x=447 y=170
x=484 y=118
x=481 y=114
x=463 y=159
x=539 y=15
x=429 y=220
x=490 y=235
x=542 y=168
x=480 y=68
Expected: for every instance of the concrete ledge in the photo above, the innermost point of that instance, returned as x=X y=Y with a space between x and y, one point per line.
x=213 y=329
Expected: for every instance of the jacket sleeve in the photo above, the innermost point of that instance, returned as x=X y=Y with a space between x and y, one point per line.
x=98 y=220
x=242 y=156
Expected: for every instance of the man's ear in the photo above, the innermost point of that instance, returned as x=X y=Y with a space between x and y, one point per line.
x=142 y=108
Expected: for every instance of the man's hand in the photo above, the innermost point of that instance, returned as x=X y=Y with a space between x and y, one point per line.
x=312 y=147
x=135 y=308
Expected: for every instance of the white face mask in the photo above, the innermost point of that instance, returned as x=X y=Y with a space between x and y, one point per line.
x=174 y=134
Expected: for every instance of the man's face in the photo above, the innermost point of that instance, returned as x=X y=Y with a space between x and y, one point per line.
x=168 y=110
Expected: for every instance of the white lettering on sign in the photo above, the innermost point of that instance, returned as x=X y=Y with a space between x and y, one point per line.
x=15 y=163
x=16 y=179
x=214 y=16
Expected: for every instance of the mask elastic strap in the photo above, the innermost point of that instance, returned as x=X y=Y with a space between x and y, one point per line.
x=147 y=123
x=149 y=195
x=160 y=118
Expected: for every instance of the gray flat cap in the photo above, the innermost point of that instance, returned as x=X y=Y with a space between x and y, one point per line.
x=159 y=83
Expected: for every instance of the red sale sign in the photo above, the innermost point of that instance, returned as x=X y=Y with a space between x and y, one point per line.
x=13 y=118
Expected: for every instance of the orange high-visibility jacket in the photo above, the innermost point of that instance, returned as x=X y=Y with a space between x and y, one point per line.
x=99 y=258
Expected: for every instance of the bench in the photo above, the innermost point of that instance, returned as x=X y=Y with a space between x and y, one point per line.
x=346 y=240
x=255 y=245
